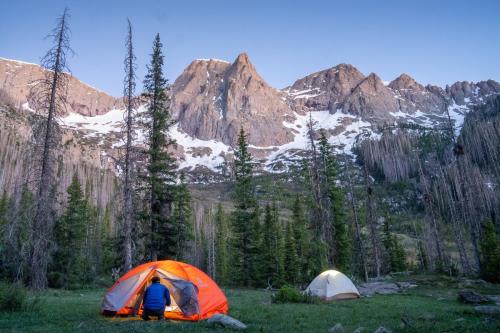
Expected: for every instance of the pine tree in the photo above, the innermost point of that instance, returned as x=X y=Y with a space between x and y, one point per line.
x=395 y=251
x=182 y=217
x=317 y=201
x=340 y=245
x=245 y=219
x=160 y=176
x=24 y=221
x=490 y=253
x=222 y=261
x=291 y=260
x=68 y=264
x=272 y=249
x=108 y=255
x=302 y=238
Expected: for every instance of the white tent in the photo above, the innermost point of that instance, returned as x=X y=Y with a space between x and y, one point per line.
x=331 y=285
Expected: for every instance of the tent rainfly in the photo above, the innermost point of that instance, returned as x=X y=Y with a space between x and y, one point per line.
x=194 y=295
x=332 y=285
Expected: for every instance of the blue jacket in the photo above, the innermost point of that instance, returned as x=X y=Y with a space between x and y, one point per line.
x=156 y=297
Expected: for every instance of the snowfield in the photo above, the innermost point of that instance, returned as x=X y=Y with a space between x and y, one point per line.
x=212 y=160
x=102 y=124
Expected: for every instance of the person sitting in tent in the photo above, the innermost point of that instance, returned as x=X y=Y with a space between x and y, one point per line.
x=156 y=297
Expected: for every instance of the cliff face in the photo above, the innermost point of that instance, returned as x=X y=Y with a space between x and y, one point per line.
x=324 y=90
x=16 y=79
x=214 y=99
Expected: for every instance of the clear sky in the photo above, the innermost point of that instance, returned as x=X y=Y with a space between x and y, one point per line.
x=435 y=41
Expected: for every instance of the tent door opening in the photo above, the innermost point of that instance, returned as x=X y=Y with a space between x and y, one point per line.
x=183 y=294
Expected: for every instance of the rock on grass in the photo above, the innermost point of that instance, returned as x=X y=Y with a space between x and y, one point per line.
x=226 y=321
x=488 y=310
x=471 y=297
x=338 y=328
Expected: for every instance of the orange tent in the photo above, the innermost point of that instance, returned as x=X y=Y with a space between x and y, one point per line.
x=194 y=295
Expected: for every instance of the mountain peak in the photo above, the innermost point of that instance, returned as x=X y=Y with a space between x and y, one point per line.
x=242 y=58
x=404 y=81
x=371 y=82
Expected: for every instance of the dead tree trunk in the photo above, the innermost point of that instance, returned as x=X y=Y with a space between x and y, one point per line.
x=371 y=223
x=429 y=208
x=128 y=209
x=357 y=228
x=50 y=96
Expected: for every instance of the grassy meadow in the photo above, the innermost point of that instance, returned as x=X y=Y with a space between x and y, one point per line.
x=430 y=307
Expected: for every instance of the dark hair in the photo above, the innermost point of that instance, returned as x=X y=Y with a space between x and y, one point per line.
x=155 y=279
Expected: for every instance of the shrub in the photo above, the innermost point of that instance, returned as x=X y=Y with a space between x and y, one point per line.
x=13 y=297
x=289 y=294
x=490 y=253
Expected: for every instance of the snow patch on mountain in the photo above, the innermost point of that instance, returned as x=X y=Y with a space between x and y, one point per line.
x=457 y=115
x=350 y=127
x=306 y=93
x=194 y=150
x=101 y=124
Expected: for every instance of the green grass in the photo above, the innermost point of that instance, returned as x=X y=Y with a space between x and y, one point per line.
x=431 y=307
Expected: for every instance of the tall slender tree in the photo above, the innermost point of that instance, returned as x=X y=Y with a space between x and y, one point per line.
x=245 y=219
x=222 y=249
x=48 y=95
x=360 y=253
x=291 y=258
x=371 y=223
x=395 y=251
x=490 y=253
x=160 y=171
x=272 y=247
x=337 y=231
x=302 y=238
x=128 y=187
x=68 y=264
x=182 y=217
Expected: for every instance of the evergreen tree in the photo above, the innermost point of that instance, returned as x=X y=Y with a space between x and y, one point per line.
x=160 y=176
x=395 y=251
x=108 y=254
x=222 y=250
x=490 y=253
x=272 y=249
x=302 y=238
x=339 y=242
x=23 y=222
x=68 y=265
x=291 y=261
x=182 y=217
x=245 y=221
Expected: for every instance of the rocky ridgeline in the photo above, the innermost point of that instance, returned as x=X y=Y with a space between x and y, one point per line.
x=16 y=79
x=212 y=99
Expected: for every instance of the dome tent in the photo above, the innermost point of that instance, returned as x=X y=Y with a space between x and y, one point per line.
x=332 y=285
x=194 y=295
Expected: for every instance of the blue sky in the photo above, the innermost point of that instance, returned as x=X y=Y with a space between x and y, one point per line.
x=436 y=42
